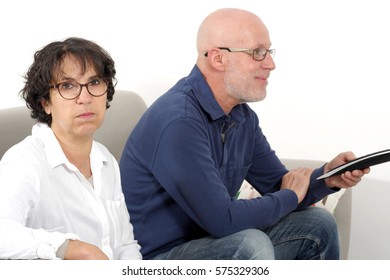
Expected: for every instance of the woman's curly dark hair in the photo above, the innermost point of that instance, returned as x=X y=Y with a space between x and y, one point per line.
x=46 y=67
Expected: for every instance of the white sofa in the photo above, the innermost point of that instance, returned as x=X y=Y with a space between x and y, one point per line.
x=126 y=109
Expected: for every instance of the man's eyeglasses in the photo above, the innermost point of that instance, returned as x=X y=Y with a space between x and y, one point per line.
x=72 y=90
x=258 y=54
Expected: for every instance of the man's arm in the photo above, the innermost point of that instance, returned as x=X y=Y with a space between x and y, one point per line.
x=184 y=166
x=298 y=181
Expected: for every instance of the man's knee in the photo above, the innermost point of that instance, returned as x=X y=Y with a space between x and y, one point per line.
x=325 y=223
x=253 y=244
x=330 y=236
x=324 y=229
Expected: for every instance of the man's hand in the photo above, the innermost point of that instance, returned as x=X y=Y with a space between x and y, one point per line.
x=78 y=250
x=298 y=181
x=347 y=179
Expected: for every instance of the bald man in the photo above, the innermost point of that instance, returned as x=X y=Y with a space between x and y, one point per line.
x=189 y=154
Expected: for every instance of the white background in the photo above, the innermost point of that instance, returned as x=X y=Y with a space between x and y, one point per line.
x=328 y=94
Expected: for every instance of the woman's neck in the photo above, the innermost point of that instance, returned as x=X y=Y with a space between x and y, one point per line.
x=77 y=151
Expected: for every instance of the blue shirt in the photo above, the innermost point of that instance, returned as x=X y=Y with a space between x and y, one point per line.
x=185 y=161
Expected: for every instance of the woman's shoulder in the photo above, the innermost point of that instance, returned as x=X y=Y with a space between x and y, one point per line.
x=25 y=149
x=25 y=158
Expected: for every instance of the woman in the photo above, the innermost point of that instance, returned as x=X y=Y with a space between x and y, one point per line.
x=60 y=192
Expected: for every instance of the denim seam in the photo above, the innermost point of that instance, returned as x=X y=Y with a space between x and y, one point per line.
x=317 y=241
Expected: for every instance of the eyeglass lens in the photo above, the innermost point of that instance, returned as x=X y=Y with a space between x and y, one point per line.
x=71 y=90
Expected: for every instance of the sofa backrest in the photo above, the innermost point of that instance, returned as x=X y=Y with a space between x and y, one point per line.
x=15 y=125
x=126 y=109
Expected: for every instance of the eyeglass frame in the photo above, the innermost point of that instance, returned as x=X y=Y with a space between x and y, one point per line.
x=81 y=88
x=249 y=51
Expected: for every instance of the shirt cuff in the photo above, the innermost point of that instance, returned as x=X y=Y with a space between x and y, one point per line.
x=62 y=250
x=51 y=242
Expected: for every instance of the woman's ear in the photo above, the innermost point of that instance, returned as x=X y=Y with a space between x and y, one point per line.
x=45 y=106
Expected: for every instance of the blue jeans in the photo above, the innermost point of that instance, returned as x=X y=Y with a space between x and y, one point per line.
x=309 y=234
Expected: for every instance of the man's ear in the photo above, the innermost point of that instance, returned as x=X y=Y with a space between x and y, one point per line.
x=216 y=59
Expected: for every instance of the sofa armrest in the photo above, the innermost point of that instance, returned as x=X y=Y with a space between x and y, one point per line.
x=343 y=211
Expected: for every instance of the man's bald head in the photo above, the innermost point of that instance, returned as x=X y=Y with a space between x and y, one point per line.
x=227 y=27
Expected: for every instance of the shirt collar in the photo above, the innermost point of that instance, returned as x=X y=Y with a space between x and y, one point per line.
x=206 y=99
x=54 y=154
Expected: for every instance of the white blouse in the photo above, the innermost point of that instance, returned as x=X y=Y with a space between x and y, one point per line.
x=44 y=200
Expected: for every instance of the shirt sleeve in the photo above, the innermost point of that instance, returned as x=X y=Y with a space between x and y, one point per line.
x=317 y=189
x=18 y=194
x=267 y=171
x=184 y=166
x=20 y=242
